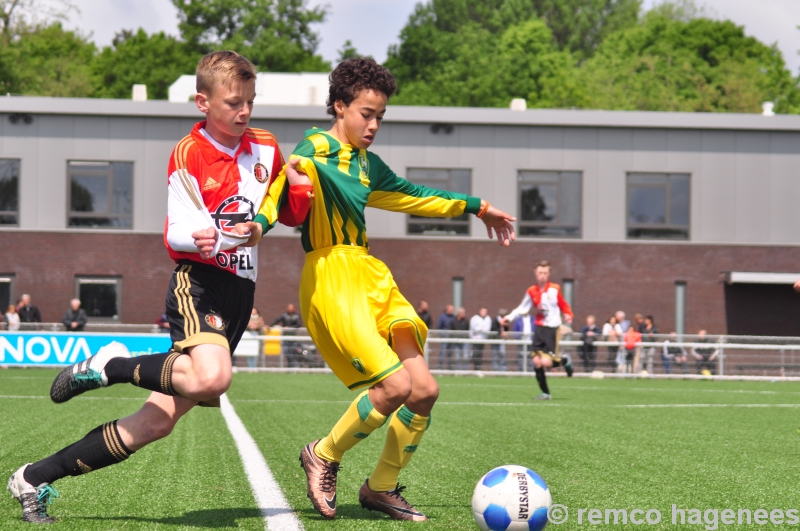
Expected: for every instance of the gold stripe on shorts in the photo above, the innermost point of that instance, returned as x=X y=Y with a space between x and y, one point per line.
x=191 y=321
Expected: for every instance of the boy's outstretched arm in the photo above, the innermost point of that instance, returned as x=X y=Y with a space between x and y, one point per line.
x=288 y=199
x=496 y=219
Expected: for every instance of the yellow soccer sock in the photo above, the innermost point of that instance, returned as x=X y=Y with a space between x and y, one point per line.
x=404 y=434
x=360 y=419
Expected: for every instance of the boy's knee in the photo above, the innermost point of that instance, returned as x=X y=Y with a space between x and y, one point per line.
x=214 y=384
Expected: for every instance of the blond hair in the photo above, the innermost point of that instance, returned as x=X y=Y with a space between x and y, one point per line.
x=221 y=69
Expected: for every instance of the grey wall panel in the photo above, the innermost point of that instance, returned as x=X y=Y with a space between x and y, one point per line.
x=715 y=190
x=55 y=148
x=614 y=159
x=784 y=216
x=752 y=186
x=684 y=155
x=580 y=154
x=20 y=141
x=650 y=151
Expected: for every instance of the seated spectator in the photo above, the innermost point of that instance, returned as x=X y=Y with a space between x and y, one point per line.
x=163 y=323
x=28 y=313
x=633 y=339
x=672 y=354
x=589 y=334
x=75 y=317
x=252 y=348
x=292 y=350
x=612 y=332
x=706 y=356
x=12 y=318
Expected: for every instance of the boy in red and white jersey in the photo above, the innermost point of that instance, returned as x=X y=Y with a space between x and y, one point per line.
x=546 y=301
x=220 y=176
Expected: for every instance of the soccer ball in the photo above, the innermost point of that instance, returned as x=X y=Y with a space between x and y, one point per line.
x=511 y=498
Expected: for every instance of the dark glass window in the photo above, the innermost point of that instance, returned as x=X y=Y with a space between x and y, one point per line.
x=6 y=292
x=451 y=180
x=100 y=297
x=658 y=206
x=549 y=204
x=9 y=192
x=101 y=194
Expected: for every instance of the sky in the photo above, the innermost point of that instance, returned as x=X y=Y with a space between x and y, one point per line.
x=373 y=25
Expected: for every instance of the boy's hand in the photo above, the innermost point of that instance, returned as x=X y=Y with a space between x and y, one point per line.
x=498 y=220
x=205 y=240
x=294 y=177
x=253 y=229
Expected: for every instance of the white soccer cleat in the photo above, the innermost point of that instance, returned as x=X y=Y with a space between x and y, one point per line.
x=34 y=500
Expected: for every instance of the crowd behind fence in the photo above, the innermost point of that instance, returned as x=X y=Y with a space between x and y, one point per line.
x=455 y=351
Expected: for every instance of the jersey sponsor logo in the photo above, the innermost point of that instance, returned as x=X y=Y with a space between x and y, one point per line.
x=358 y=365
x=261 y=173
x=211 y=184
x=231 y=260
x=215 y=321
x=229 y=213
x=363 y=164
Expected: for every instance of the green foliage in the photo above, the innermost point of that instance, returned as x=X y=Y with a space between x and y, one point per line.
x=275 y=35
x=669 y=64
x=347 y=51
x=155 y=60
x=48 y=61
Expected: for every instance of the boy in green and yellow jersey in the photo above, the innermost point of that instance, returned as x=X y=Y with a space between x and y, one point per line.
x=365 y=329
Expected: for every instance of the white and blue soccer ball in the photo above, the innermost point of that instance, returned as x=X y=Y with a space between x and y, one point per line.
x=512 y=498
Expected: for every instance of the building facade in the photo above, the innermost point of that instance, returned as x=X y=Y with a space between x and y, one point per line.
x=645 y=212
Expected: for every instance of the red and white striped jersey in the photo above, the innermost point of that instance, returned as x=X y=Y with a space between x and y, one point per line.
x=547 y=302
x=210 y=185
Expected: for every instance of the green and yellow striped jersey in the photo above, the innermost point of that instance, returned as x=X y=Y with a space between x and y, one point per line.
x=346 y=180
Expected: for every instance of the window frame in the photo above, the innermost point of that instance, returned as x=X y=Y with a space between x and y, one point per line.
x=421 y=220
x=11 y=280
x=667 y=208
x=547 y=224
x=14 y=213
x=100 y=279
x=110 y=189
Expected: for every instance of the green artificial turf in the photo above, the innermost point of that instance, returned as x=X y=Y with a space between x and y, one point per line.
x=604 y=444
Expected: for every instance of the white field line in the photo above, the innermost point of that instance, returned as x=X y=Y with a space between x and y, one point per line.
x=278 y=515
x=643 y=406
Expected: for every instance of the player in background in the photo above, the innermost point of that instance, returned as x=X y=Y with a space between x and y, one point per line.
x=217 y=177
x=545 y=298
x=366 y=331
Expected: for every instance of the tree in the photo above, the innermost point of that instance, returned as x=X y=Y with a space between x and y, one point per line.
x=348 y=51
x=276 y=35
x=155 y=60
x=17 y=15
x=669 y=64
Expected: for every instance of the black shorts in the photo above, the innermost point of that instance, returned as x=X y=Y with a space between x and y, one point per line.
x=545 y=341
x=207 y=305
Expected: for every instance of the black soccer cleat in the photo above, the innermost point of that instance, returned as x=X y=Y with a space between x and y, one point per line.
x=86 y=375
x=34 y=500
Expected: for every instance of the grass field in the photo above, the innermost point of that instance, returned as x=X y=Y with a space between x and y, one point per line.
x=621 y=444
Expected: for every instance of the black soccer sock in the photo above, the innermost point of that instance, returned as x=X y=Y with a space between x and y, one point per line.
x=542 y=379
x=101 y=447
x=153 y=372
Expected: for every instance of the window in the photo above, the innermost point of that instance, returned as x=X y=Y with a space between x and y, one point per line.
x=451 y=180
x=549 y=204
x=458 y=292
x=99 y=296
x=658 y=206
x=680 y=307
x=569 y=291
x=6 y=292
x=9 y=192
x=100 y=194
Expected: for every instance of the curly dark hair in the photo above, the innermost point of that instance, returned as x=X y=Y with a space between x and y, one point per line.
x=353 y=75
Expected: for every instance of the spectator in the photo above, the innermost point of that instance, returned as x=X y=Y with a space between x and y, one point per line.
x=649 y=332
x=290 y=320
x=499 y=349
x=479 y=327
x=633 y=339
x=12 y=318
x=673 y=354
x=256 y=323
x=163 y=323
x=444 y=322
x=705 y=356
x=75 y=317
x=623 y=323
x=424 y=314
x=524 y=325
x=612 y=332
x=255 y=328
x=28 y=313
x=589 y=333
x=461 y=324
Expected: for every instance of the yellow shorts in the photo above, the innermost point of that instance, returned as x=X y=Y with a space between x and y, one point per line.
x=350 y=304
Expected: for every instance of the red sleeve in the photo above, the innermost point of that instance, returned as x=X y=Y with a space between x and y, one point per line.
x=295 y=211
